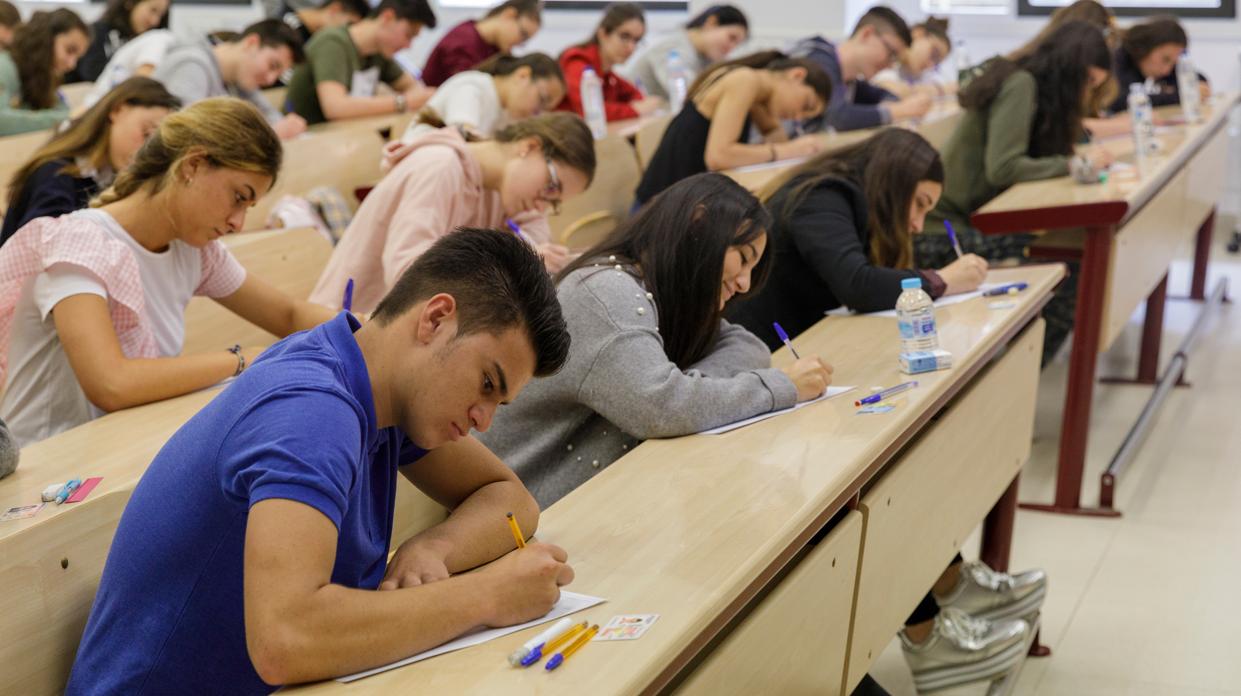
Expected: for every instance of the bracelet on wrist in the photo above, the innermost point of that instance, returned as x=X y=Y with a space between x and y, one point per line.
x=241 y=359
x=401 y=104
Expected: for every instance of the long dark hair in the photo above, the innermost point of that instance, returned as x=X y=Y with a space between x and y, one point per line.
x=1143 y=38
x=678 y=241
x=725 y=16
x=33 y=52
x=116 y=16
x=88 y=135
x=541 y=66
x=1089 y=11
x=614 y=15
x=1060 y=69
x=774 y=61
x=887 y=168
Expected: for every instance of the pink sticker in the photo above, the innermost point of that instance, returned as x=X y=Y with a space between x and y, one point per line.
x=84 y=490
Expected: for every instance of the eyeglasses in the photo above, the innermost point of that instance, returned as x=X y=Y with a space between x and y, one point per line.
x=628 y=38
x=551 y=193
x=893 y=53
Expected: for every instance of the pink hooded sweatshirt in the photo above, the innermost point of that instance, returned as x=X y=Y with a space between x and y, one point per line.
x=435 y=189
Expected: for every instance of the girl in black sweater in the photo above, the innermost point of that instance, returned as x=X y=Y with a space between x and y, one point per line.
x=80 y=162
x=843 y=234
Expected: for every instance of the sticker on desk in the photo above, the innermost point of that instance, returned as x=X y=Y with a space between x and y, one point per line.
x=626 y=627
x=1002 y=305
x=21 y=513
x=876 y=408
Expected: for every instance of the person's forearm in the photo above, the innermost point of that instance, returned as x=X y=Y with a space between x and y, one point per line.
x=338 y=630
x=308 y=315
x=740 y=155
x=358 y=107
x=476 y=532
x=144 y=380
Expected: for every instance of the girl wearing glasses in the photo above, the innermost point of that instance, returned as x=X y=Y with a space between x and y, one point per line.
x=614 y=41
x=443 y=183
x=651 y=355
x=918 y=70
x=712 y=131
x=500 y=90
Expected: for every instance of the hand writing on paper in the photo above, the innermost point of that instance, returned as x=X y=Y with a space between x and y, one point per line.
x=811 y=376
x=416 y=562
x=527 y=583
x=964 y=275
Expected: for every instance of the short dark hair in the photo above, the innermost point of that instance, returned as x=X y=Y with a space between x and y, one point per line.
x=274 y=34
x=525 y=8
x=360 y=8
x=884 y=18
x=9 y=16
x=499 y=283
x=418 y=11
x=725 y=16
x=1141 y=39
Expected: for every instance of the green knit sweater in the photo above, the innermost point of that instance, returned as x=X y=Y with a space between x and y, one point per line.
x=14 y=117
x=989 y=151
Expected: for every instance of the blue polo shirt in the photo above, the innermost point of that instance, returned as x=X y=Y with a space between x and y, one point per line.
x=298 y=425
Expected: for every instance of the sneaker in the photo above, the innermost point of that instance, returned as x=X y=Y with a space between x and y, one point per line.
x=962 y=649
x=986 y=594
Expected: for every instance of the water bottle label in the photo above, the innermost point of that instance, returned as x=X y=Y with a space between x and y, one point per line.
x=918 y=327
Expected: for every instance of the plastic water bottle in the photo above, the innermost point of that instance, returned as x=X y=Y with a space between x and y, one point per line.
x=915 y=315
x=678 y=81
x=1187 y=86
x=963 y=61
x=592 y=103
x=1142 y=120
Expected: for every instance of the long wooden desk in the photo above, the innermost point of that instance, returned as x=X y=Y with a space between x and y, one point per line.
x=1125 y=232
x=936 y=126
x=713 y=532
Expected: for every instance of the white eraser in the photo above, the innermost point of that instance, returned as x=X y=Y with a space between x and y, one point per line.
x=925 y=361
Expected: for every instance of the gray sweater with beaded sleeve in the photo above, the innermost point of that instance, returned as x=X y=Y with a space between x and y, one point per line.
x=619 y=388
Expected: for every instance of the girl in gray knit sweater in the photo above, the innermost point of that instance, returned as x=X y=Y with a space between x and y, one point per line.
x=651 y=355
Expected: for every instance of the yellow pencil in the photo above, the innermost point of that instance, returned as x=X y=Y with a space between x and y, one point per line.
x=517 y=535
x=563 y=638
x=559 y=658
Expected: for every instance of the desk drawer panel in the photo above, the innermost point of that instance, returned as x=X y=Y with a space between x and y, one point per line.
x=794 y=641
x=929 y=500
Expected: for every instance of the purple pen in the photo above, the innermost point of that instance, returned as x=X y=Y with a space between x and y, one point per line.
x=785 y=337
x=952 y=237
x=347 y=301
x=517 y=230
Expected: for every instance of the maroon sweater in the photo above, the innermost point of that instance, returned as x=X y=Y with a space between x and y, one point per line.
x=461 y=49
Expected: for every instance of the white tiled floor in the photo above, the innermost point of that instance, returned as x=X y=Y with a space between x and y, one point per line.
x=1146 y=604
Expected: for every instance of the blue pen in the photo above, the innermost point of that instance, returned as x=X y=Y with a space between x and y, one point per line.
x=881 y=395
x=67 y=490
x=1010 y=289
x=952 y=237
x=785 y=337
x=347 y=301
x=517 y=230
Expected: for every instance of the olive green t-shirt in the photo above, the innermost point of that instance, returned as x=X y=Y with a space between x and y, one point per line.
x=332 y=57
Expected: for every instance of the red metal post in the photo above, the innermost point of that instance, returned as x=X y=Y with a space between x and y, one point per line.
x=1202 y=255
x=1152 y=333
x=997 y=529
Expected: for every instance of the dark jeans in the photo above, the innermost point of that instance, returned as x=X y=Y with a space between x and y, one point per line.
x=933 y=250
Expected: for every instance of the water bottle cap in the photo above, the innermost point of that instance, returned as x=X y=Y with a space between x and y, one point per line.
x=674 y=54
x=1135 y=87
x=588 y=70
x=911 y=283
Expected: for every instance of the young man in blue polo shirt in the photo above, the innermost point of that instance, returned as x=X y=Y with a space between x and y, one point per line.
x=250 y=553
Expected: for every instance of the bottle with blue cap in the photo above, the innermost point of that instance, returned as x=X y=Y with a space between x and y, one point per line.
x=678 y=81
x=915 y=315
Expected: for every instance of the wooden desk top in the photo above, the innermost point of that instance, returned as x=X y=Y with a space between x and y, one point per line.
x=691 y=528
x=755 y=177
x=629 y=127
x=107 y=447
x=1061 y=202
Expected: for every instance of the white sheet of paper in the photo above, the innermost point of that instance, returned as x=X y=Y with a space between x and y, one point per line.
x=831 y=391
x=570 y=602
x=944 y=301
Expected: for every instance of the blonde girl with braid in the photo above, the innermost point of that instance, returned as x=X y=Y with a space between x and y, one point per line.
x=92 y=304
